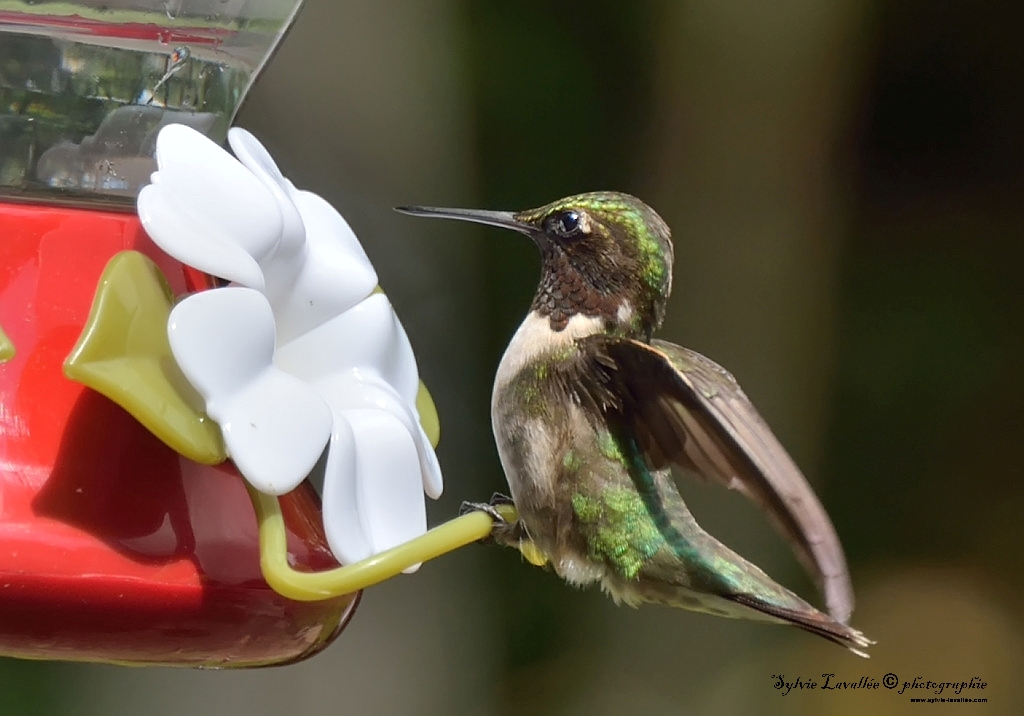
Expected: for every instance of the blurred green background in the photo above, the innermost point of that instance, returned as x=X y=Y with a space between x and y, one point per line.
x=844 y=182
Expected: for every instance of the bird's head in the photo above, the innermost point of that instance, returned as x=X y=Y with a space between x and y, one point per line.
x=604 y=254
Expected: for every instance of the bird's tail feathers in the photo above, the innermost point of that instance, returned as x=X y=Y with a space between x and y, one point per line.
x=813 y=621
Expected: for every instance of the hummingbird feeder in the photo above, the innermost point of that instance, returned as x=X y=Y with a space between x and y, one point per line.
x=157 y=426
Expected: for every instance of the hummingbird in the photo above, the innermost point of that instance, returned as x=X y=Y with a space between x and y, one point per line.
x=595 y=420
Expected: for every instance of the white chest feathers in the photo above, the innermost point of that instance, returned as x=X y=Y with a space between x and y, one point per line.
x=535 y=338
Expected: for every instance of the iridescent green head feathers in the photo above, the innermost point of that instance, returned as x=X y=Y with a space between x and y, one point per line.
x=604 y=254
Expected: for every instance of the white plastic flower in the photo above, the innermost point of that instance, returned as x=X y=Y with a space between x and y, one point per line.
x=299 y=355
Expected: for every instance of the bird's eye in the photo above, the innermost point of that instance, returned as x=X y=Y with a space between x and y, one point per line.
x=566 y=224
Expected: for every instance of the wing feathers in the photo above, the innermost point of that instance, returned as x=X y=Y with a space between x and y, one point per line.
x=700 y=420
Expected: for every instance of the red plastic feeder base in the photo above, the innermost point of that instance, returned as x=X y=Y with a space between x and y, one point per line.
x=112 y=546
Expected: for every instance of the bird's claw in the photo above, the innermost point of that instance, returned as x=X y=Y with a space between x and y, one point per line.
x=504 y=532
x=489 y=508
x=467 y=507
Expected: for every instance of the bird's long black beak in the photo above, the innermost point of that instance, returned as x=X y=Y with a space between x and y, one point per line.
x=501 y=219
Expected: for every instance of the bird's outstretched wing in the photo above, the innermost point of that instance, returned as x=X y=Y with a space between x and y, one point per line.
x=685 y=410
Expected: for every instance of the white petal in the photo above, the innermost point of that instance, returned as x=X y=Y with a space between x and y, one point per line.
x=402 y=372
x=275 y=426
x=319 y=268
x=366 y=337
x=357 y=390
x=254 y=156
x=275 y=431
x=174 y=231
x=343 y=526
x=207 y=210
x=330 y=275
x=388 y=473
x=362 y=390
x=326 y=227
x=222 y=339
x=212 y=184
x=433 y=481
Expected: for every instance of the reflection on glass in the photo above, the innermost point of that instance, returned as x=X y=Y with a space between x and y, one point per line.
x=85 y=86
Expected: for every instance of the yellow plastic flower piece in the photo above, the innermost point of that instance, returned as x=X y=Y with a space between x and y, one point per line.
x=123 y=353
x=428 y=415
x=7 y=349
x=312 y=586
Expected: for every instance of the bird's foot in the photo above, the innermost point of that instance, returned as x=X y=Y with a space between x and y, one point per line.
x=491 y=508
x=508 y=534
